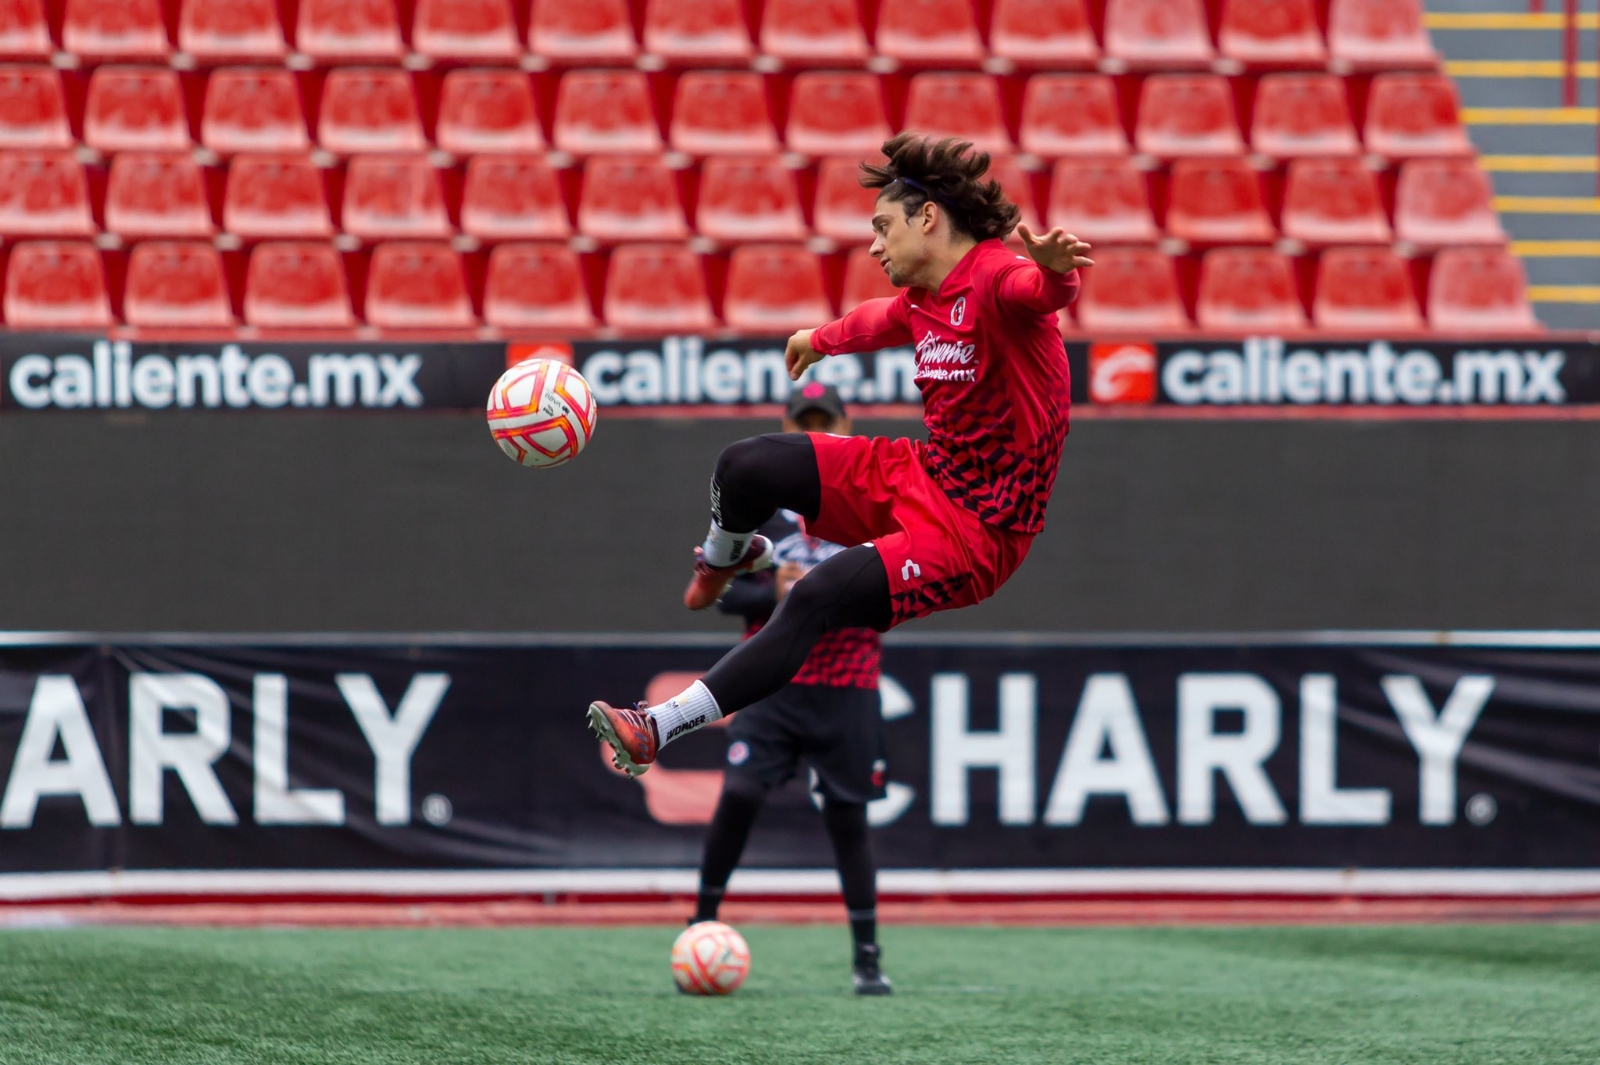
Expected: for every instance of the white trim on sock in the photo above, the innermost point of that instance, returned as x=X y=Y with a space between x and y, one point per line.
x=693 y=708
x=724 y=548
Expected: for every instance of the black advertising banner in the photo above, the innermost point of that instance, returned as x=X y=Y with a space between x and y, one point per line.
x=1004 y=755
x=682 y=374
x=61 y=372
x=1273 y=371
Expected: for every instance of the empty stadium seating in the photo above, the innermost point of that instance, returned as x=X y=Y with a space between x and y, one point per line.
x=447 y=163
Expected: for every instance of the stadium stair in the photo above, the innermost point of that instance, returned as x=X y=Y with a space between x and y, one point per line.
x=1541 y=156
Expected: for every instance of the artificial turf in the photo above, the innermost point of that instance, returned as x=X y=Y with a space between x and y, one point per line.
x=1528 y=994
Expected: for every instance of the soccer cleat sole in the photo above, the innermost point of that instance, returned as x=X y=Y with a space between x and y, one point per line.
x=608 y=735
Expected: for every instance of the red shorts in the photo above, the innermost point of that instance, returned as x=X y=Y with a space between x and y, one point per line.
x=939 y=555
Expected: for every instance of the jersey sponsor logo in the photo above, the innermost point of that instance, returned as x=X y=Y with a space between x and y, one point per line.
x=1122 y=373
x=945 y=360
x=958 y=312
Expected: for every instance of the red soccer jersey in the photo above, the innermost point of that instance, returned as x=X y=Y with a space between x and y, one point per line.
x=993 y=375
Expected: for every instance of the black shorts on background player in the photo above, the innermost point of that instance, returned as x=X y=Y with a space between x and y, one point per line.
x=836 y=731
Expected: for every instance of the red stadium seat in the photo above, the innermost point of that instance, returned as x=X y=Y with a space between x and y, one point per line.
x=1445 y=201
x=349 y=30
x=231 y=31
x=1158 y=33
x=369 y=111
x=1333 y=201
x=155 y=196
x=774 y=288
x=1479 y=290
x=488 y=111
x=1104 y=201
x=56 y=285
x=1380 y=33
x=1053 y=33
x=1364 y=290
x=115 y=29
x=536 y=286
x=605 y=111
x=1271 y=33
x=24 y=30
x=824 y=32
x=466 y=30
x=1018 y=186
x=253 y=111
x=394 y=197
x=722 y=113
x=1187 y=114
x=33 y=109
x=657 y=288
x=297 y=286
x=958 y=105
x=864 y=280
x=836 y=114
x=43 y=194
x=582 y=31
x=1217 y=201
x=275 y=197
x=412 y=285
x=508 y=197
x=1248 y=290
x=1071 y=114
x=1303 y=114
x=745 y=198
x=1131 y=290
x=135 y=109
x=1411 y=115
x=630 y=198
x=696 y=31
x=843 y=210
x=929 y=32
x=176 y=286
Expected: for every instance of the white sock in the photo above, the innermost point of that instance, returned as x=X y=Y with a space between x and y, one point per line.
x=690 y=709
x=724 y=548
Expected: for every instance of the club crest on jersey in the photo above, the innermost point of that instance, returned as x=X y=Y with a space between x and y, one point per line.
x=958 y=312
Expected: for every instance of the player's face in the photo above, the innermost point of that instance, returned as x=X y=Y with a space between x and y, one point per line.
x=900 y=244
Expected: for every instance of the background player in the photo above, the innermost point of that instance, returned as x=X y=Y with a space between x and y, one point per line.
x=829 y=714
x=937 y=525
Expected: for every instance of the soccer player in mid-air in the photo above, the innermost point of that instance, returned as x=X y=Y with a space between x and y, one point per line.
x=928 y=526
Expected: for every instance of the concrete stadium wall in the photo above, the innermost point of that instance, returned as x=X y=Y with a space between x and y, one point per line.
x=347 y=522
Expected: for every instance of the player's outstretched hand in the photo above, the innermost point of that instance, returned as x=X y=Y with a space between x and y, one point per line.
x=1056 y=250
x=800 y=355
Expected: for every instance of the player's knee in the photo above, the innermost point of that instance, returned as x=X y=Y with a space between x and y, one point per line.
x=739 y=465
x=845 y=820
x=743 y=788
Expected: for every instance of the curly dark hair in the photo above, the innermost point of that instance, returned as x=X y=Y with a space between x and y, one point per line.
x=951 y=174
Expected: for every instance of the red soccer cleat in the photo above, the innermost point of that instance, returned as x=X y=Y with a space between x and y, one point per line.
x=711 y=581
x=630 y=732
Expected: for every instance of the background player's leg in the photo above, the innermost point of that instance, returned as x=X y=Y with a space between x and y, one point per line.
x=858 y=880
x=753 y=478
x=737 y=808
x=849 y=590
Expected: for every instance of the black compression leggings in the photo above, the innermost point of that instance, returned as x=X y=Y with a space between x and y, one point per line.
x=850 y=590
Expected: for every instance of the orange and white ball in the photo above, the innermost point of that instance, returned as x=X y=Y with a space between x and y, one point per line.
x=541 y=412
x=710 y=958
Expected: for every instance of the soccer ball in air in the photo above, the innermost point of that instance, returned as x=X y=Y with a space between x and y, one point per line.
x=710 y=958
x=541 y=412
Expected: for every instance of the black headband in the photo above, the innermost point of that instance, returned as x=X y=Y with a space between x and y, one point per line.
x=920 y=188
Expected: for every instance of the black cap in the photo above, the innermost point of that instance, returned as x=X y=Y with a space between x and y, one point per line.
x=814 y=395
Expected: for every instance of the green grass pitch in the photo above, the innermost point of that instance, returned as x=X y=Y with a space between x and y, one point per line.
x=1524 y=994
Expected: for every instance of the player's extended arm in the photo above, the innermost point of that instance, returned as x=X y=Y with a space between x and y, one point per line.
x=879 y=323
x=1054 y=281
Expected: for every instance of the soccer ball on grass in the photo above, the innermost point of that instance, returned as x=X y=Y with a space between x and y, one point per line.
x=710 y=958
